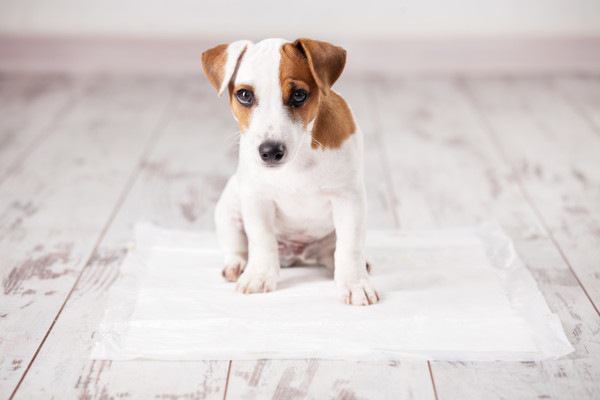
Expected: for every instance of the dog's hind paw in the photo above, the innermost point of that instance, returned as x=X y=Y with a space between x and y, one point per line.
x=360 y=293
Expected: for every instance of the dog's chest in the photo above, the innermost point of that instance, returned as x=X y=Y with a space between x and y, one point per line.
x=301 y=222
x=302 y=217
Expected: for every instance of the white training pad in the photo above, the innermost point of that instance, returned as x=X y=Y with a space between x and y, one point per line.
x=445 y=295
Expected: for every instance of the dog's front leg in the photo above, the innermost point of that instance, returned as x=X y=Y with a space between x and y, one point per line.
x=263 y=266
x=351 y=276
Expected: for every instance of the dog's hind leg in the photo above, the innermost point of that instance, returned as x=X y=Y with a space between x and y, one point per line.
x=230 y=231
x=325 y=249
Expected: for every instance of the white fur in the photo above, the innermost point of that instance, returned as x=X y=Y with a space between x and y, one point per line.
x=234 y=50
x=301 y=211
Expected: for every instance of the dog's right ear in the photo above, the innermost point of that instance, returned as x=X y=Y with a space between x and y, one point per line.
x=220 y=63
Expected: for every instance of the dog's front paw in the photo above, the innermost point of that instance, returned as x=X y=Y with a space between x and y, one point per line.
x=233 y=268
x=256 y=282
x=359 y=293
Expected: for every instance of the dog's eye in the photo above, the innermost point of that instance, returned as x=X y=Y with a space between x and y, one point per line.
x=298 y=97
x=245 y=97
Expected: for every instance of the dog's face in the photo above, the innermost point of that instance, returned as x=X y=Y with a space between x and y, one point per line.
x=280 y=95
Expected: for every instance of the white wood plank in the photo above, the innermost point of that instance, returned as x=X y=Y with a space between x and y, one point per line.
x=29 y=105
x=583 y=94
x=444 y=153
x=554 y=153
x=177 y=187
x=518 y=381
x=318 y=379
x=54 y=208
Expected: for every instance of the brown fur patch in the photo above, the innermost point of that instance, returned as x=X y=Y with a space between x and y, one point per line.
x=242 y=113
x=334 y=122
x=213 y=64
x=294 y=73
x=333 y=119
x=325 y=60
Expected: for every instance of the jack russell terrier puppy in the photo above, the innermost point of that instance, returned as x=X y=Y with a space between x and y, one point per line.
x=298 y=195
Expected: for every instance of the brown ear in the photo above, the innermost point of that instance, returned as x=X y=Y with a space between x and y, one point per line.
x=213 y=64
x=220 y=63
x=325 y=60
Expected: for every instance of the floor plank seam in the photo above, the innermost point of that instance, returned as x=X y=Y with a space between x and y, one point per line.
x=160 y=127
x=472 y=101
x=435 y=393
x=46 y=131
x=227 y=380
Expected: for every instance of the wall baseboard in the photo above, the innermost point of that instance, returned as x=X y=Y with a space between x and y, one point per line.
x=473 y=55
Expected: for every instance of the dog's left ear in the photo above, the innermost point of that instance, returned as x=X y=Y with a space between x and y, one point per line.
x=325 y=60
x=220 y=63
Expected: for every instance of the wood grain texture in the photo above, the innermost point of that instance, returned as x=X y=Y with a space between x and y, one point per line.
x=583 y=94
x=439 y=152
x=55 y=207
x=177 y=186
x=320 y=379
x=448 y=162
x=564 y=379
x=554 y=153
x=30 y=104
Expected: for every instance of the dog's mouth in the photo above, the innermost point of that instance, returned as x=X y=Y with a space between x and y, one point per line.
x=270 y=165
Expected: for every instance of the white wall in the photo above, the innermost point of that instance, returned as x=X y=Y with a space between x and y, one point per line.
x=319 y=18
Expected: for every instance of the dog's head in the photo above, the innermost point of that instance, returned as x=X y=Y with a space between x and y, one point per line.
x=280 y=95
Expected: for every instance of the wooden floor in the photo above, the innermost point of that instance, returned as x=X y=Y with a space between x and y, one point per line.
x=84 y=157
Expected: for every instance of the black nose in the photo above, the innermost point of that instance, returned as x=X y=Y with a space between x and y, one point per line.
x=271 y=152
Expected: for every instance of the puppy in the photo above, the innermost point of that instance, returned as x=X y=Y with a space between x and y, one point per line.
x=297 y=196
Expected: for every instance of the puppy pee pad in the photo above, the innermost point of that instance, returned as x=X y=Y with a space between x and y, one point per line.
x=460 y=294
